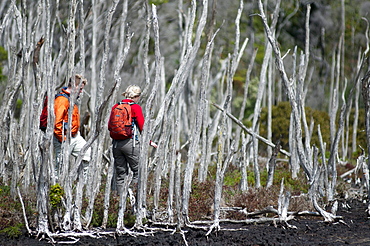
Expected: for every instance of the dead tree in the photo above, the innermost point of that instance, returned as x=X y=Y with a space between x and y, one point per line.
x=261 y=92
x=192 y=53
x=291 y=95
x=222 y=164
x=365 y=83
x=148 y=132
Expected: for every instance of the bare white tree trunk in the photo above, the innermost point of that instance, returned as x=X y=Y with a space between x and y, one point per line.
x=172 y=166
x=122 y=204
x=295 y=106
x=244 y=163
x=222 y=164
x=365 y=83
x=360 y=64
x=147 y=133
x=96 y=166
x=272 y=165
x=107 y=192
x=261 y=92
x=245 y=95
x=187 y=63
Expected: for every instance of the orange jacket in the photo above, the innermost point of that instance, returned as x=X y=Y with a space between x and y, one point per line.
x=61 y=106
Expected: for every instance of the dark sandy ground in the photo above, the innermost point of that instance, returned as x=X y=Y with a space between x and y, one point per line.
x=310 y=231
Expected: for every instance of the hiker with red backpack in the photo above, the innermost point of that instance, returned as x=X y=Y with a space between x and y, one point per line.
x=61 y=125
x=125 y=122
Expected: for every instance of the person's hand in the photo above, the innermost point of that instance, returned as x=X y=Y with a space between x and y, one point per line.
x=153 y=144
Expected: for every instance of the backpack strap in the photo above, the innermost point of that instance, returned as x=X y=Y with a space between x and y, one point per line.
x=129 y=103
x=62 y=94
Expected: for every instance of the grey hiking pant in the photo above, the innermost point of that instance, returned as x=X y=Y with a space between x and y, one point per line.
x=125 y=156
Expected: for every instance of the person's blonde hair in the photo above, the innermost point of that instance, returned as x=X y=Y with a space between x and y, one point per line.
x=132 y=91
x=78 y=79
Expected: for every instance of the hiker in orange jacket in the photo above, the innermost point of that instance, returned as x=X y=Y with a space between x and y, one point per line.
x=61 y=106
x=61 y=126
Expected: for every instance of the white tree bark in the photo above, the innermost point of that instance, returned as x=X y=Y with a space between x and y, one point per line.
x=261 y=93
x=147 y=133
x=291 y=94
x=222 y=164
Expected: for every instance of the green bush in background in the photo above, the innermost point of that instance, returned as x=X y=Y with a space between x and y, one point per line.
x=281 y=120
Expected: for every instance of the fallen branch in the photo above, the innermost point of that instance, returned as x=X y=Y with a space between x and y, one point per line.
x=267 y=210
x=215 y=226
x=328 y=217
x=348 y=173
x=250 y=132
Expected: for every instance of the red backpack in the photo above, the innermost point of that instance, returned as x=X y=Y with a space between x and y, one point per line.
x=120 y=121
x=44 y=114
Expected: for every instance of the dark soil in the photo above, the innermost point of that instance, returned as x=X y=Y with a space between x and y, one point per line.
x=354 y=230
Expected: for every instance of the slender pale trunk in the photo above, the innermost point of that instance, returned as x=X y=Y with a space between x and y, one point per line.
x=147 y=133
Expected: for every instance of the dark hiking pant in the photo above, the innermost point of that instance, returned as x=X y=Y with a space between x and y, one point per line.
x=126 y=155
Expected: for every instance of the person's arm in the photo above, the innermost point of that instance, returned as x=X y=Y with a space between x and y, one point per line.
x=75 y=121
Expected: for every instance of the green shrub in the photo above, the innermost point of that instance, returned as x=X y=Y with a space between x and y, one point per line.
x=158 y=2
x=281 y=122
x=13 y=231
x=55 y=195
x=11 y=215
x=295 y=186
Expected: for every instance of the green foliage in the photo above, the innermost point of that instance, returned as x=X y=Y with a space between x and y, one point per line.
x=18 y=108
x=98 y=213
x=55 y=195
x=158 y=2
x=251 y=99
x=296 y=186
x=260 y=46
x=6 y=201
x=232 y=177
x=3 y=54
x=3 y=58
x=11 y=216
x=4 y=190
x=281 y=121
x=13 y=231
x=130 y=220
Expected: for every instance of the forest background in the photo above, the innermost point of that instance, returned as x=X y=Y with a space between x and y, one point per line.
x=213 y=88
